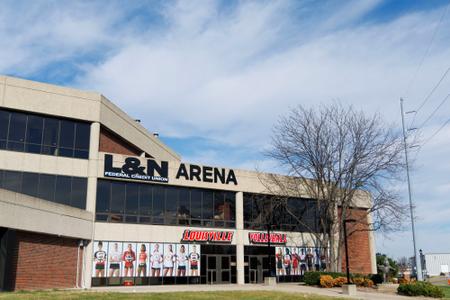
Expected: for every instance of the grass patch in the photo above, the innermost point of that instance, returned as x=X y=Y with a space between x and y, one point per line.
x=251 y=295
x=446 y=290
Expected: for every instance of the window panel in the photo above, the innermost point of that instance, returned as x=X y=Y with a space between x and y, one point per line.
x=63 y=189
x=79 y=192
x=171 y=205
x=207 y=207
x=132 y=199
x=83 y=132
x=184 y=207
x=158 y=204
x=30 y=184
x=230 y=211
x=196 y=204
x=47 y=187
x=51 y=132
x=219 y=206
x=103 y=196
x=117 y=197
x=4 y=126
x=17 y=127
x=145 y=199
x=67 y=134
x=35 y=127
x=12 y=181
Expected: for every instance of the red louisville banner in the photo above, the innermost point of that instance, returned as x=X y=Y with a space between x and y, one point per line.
x=207 y=236
x=261 y=238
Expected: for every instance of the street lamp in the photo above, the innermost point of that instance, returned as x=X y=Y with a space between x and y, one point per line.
x=346 y=247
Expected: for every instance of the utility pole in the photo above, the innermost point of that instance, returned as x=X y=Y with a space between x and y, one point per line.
x=411 y=207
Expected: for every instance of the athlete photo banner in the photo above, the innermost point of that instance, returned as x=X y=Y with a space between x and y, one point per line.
x=298 y=260
x=144 y=259
x=100 y=259
x=129 y=259
x=114 y=259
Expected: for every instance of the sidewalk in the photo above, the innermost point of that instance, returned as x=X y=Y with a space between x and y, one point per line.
x=282 y=287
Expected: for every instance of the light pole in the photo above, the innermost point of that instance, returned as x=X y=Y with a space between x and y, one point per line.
x=411 y=207
x=346 y=248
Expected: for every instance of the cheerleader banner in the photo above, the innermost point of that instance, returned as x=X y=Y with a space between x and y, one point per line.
x=144 y=259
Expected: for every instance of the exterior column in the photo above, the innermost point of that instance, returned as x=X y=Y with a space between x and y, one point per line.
x=240 y=238
x=91 y=200
x=373 y=259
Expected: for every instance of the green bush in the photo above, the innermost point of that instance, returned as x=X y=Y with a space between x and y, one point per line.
x=420 y=289
x=377 y=278
x=313 y=278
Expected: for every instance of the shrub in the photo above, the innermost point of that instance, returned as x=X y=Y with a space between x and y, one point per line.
x=367 y=282
x=313 y=278
x=402 y=281
x=326 y=281
x=339 y=281
x=420 y=289
x=359 y=281
x=376 y=278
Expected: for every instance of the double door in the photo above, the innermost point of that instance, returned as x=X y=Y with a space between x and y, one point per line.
x=256 y=268
x=219 y=269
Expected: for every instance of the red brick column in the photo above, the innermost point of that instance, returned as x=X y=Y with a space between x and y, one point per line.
x=358 y=244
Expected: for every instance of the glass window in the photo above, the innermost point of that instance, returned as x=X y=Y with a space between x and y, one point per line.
x=171 y=205
x=63 y=189
x=184 y=207
x=30 y=183
x=4 y=125
x=103 y=195
x=132 y=199
x=51 y=133
x=117 y=197
x=79 y=192
x=158 y=204
x=208 y=207
x=16 y=134
x=47 y=187
x=1 y=178
x=83 y=132
x=145 y=199
x=219 y=206
x=196 y=204
x=35 y=128
x=66 y=138
x=12 y=181
x=230 y=211
x=43 y=135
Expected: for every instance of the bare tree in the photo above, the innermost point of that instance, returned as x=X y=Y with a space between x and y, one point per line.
x=345 y=160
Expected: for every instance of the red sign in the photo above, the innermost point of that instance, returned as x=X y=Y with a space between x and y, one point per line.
x=261 y=238
x=207 y=236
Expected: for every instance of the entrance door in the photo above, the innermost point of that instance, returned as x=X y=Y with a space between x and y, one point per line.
x=218 y=269
x=257 y=269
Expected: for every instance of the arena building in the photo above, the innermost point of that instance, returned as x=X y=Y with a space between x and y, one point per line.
x=89 y=197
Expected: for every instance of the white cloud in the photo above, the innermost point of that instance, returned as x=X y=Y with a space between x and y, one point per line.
x=228 y=74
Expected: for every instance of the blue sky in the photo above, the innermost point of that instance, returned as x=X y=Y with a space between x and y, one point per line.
x=212 y=77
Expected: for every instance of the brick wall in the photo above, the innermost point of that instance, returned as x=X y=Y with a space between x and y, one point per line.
x=39 y=261
x=358 y=244
x=112 y=143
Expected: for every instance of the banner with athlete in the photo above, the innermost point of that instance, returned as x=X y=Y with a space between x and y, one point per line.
x=100 y=259
x=129 y=259
x=182 y=260
x=114 y=259
x=156 y=259
x=194 y=260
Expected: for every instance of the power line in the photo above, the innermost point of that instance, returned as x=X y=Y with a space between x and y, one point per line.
x=435 y=133
x=413 y=78
x=430 y=94
x=435 y=110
